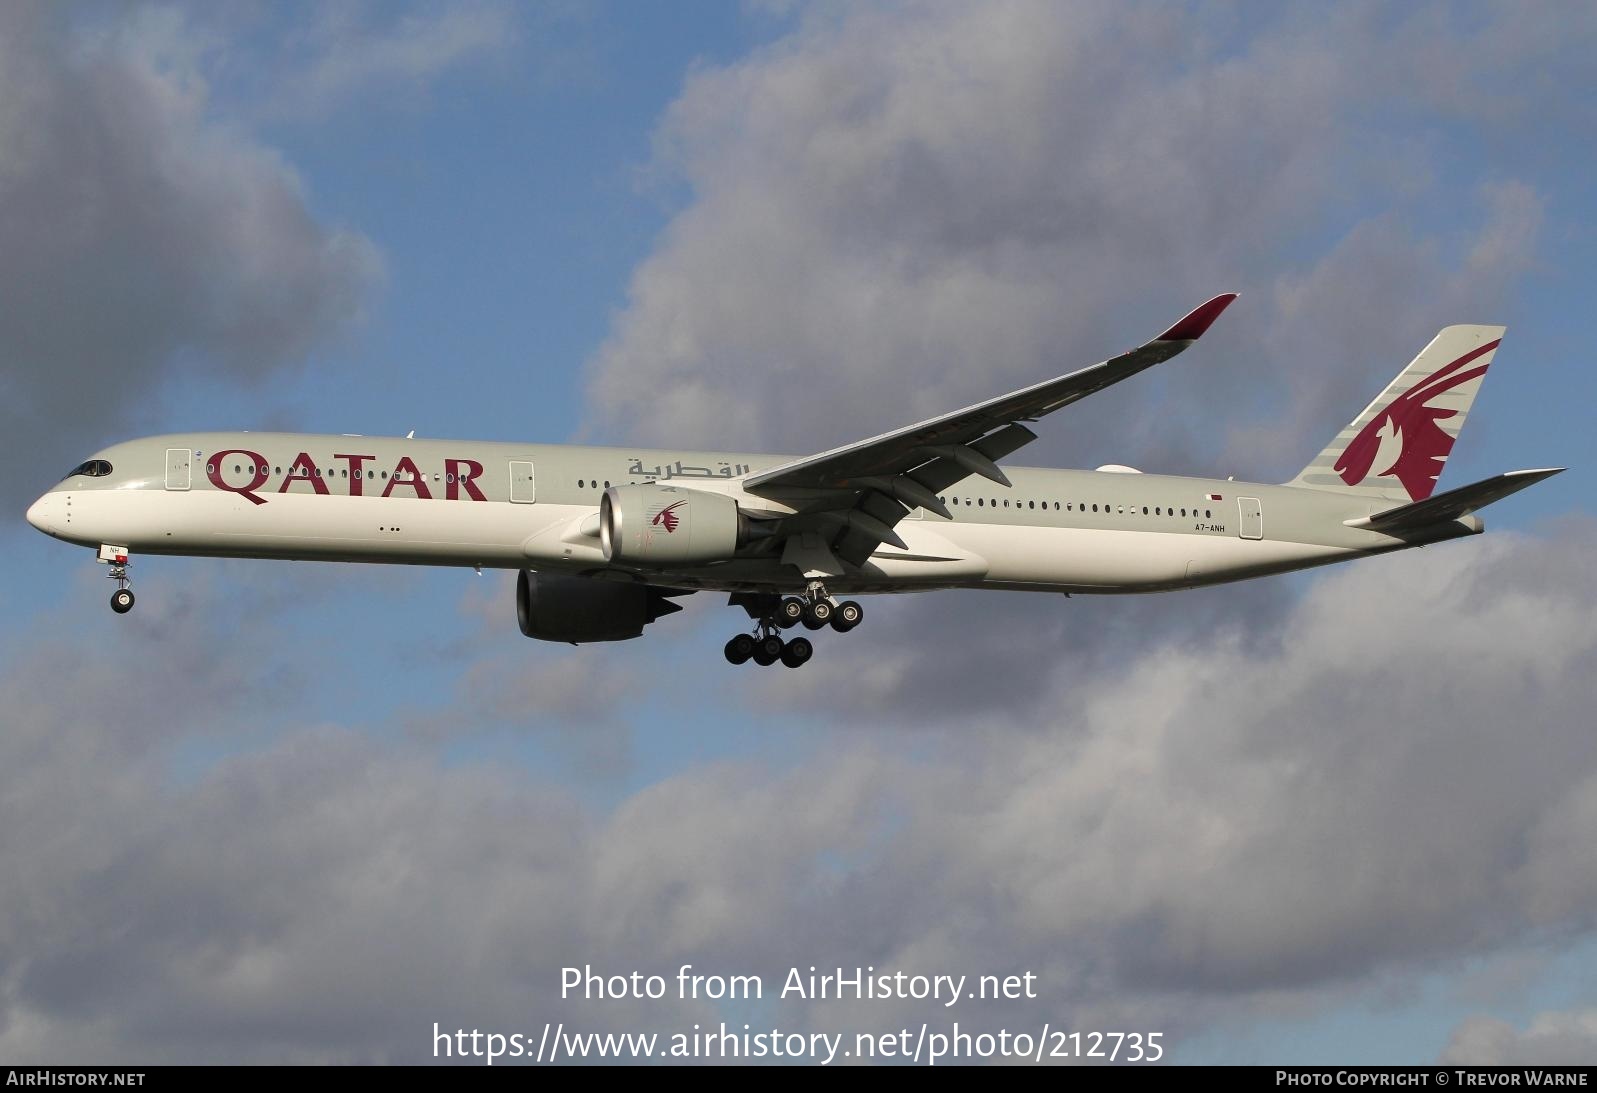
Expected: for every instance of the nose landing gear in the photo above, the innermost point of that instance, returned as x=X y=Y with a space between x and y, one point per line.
x=814 y=609
x=117 y=558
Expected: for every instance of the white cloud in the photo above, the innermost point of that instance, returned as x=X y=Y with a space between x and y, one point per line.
x=1551 y=1039
x=352 y=52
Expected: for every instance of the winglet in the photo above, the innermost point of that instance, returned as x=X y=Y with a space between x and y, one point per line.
x=1199 y=319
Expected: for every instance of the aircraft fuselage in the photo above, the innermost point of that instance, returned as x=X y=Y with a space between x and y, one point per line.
x=528 y=506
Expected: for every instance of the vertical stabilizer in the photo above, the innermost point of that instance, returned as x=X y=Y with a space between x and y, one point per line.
x=1396 y=449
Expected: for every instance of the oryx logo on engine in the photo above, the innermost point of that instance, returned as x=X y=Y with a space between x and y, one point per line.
x=667 y=517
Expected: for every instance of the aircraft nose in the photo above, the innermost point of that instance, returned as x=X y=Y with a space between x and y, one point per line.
x=39 y=513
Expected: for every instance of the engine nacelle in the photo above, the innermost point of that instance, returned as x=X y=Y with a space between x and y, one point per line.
x=554 y=607
x=653 y=525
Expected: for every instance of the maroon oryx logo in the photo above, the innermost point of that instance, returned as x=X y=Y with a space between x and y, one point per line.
x=667 y=517
x=1410 y=424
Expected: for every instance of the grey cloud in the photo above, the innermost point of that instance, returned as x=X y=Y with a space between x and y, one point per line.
x=1185 y=815
x=1332 y=366
x=141 y=237
x=1197 y=831
x=1551 y=1039
x=545 y=693
x=893 y=212
x=938 y=659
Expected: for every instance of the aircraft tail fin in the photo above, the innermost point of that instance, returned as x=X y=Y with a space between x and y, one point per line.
x=1396 y=448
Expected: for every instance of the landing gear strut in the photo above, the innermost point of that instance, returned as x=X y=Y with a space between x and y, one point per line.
x=815 y=609
x=117 y=559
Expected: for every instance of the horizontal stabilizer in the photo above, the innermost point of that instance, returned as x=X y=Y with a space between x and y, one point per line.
x=1454 y=503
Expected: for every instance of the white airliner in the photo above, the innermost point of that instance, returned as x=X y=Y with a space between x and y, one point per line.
x=605 y=538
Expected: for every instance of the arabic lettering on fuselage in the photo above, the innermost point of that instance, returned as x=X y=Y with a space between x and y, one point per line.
x=664 y=472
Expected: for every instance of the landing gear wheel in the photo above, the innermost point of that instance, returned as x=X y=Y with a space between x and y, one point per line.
x=817 y=613
x=797 y=652
x=122 y=601
x=768 y=651
x=847 y=616
x=789 y=612
x=740 y=649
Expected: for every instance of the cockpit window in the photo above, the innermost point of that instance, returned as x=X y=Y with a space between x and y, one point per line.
x=94 y=468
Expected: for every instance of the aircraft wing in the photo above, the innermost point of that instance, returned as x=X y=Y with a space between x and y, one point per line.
x=854 y=495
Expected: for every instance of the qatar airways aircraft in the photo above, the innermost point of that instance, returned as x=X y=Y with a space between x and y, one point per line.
x=605 y=538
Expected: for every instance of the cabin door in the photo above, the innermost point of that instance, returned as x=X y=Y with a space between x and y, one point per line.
x=1251 y=517
x=523 y=486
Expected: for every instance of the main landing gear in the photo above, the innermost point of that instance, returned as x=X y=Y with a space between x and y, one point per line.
x=768 y=648
x=815 y=610
x=117 y=558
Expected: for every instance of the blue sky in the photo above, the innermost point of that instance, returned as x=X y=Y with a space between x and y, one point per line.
x=300 y=812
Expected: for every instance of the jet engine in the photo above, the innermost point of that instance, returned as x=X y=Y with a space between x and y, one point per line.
x=554 y=607
x=651 y=525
